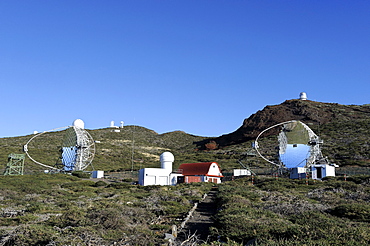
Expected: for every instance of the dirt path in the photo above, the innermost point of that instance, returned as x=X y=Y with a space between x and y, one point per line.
x=201 y=220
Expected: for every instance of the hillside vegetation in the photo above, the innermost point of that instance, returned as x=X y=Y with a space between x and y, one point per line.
x=344 y=129
x=132 y=148
x=59 y=209
x=291 y=212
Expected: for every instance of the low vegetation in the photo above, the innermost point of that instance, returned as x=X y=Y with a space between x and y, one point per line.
x=291 y=212
x=136 y=147
x=58 y=209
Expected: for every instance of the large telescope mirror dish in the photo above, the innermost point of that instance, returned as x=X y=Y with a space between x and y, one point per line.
x=297 y=145
x=77 y=150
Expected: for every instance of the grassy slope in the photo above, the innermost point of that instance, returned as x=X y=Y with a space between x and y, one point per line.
x=64 y=210
x=291 y=212
x=61 y=209
x=346 y=143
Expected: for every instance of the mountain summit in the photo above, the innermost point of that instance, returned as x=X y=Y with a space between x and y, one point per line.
x=309 y=112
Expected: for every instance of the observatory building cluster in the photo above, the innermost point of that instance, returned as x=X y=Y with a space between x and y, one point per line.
x=299 y=152
x=187 y=173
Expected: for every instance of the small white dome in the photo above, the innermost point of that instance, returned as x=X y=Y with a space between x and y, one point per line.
x=303 y=96
x=79 y=123
x=167 y=157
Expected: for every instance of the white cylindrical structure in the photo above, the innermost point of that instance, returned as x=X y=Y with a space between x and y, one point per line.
x=122 y=124
x=79 y=123
x=112 y=123
x=303 y=96
x=167 y=160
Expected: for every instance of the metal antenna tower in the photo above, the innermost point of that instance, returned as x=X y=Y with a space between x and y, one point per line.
x=15 y=165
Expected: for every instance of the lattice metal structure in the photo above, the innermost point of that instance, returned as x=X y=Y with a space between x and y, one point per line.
x=244 y=159
x=77 y=150
x=15 y=165
x=295 y=137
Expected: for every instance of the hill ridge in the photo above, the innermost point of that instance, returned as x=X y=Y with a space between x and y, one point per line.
x=307 y=111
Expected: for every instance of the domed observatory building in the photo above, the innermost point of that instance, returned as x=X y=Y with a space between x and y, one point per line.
x=303 y=96
x=159 y=176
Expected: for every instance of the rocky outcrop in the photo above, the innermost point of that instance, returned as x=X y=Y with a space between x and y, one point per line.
x=309 y=112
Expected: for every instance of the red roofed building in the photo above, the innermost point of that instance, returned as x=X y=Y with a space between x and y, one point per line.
x=200 y=172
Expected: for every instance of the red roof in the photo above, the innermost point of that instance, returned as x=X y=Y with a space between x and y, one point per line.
x=188 y=169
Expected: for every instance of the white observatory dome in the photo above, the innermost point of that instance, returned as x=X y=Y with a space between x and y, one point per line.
x=79 y=123
x=167 y=159
x=303 y=96
x=167 y=156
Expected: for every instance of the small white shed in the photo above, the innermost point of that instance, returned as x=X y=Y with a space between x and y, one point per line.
x=320 y=171
x=317 y=171
x=241 y=172
x=97 y=174
x=298 y=173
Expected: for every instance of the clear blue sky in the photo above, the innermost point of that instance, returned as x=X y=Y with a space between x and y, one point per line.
x=197 y=66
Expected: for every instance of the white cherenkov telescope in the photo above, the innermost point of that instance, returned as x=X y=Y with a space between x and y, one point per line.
x=298 y=145
x=299 y=150
x=77 y=150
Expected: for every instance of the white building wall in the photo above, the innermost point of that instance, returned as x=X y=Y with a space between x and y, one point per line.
x=298 y=173
x=208 y=179
x=214 y=170
x=97 y=174
x=163 y=180
x=241 y=172
x=326 y=171
x=154 y=176
x=330 y=171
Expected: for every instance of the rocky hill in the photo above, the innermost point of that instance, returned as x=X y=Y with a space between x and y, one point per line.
x=345 y=128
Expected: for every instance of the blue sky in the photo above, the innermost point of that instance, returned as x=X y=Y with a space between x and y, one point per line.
x=197 y=66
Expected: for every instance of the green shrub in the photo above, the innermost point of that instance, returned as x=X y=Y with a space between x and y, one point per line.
x=78 y=184
x=37 y=207
x=246 y=224
x=81 y=174
x=35 y=234
x=174 y=208
x=280 y=184
x=356 y=211
x=160 y=227
x=349 y=185
x=119 y=185
x=74 y=216
x=128 y=180
x=100 y=183
x=360 y=179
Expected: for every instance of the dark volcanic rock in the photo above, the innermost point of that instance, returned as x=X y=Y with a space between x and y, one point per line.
x=316 y=113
